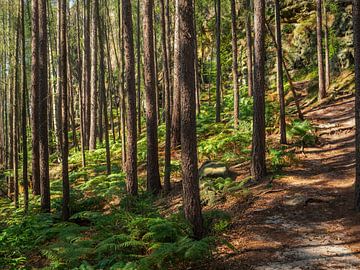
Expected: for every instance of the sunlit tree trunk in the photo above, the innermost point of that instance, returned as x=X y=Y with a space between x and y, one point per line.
x=191 y=194
x=320 y=58
x=235 y=63
x=258 y=165
x=280 y=75
x=131 y=143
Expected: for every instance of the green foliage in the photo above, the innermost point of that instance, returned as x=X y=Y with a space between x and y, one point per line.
x=302 y=133
x=215 y=190
x=279 y=158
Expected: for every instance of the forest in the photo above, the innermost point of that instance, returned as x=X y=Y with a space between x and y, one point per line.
x=179 y=134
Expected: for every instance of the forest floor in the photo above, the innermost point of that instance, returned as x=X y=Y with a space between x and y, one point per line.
x=306 y=220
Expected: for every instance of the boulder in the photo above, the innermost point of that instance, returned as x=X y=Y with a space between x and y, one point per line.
x=213 y=169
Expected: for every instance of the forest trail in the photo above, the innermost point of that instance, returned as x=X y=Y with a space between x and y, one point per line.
x=307 y=221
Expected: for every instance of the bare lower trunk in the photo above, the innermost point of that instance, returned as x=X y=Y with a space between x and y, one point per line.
x=131 y=143
x=321 y=75
x=235 y=64
x=258 y=166
x=153 y=176
x=280 y=80
x=191 y=195
x=43 y=109
x=356 y=21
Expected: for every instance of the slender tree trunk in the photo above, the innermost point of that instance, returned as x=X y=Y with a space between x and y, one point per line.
x=35 y=97
x=196 y=65
x=81 y=74
x=322 y=89
x=153 y=176
x=280 y=75
x=258 y=166
x=249 y=48
x=138 y=66
x=131 y=146
x=102 y=88
x=87 y=72
x=356 y=25
x=43 y=109
x=15 y=119
x=287 y=73
x=166 y=75
x=235 y=64
x=191 y=194
x=122 y=86
x=64 y=110
x=94 y=77
x=176 y=112
x=326 y=45
x=218 y=60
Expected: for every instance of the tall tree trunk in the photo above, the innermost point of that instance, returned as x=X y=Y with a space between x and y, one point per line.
x=64 y=110
x=102 y=88
x=43 y=109
x=249 y=48
x=153 y=176
x=218 y=60
x=196 y=65
x=81 y=74
x=326 y=45
x=87 y=72
x=94 y=77
x=23 y=110
x=356 y=25
x=287 y=73
x=235 y=64
x=258 y=166
x=138 y=66
x=176 y=112
x=280 y=75
x=131 y=143
x=35 y=97
x=15 y=104
x=122 y=104
x=189 y=161
x=166 y=75
x=321 y=75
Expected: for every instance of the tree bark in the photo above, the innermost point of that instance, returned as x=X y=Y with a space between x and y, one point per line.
x=131 y=143
x=356 y=25
x=191 y=195
x=176 y=111
x=24 y=110
x=87 y=72
x=326 y=45
x=138 y=66
x=43 y=112
x=64 y=110
x=249 y=48
x=235 y=70
x=258 y=166
x=166 y=76
x=94 y=77
x=218 y=60
x=153 y=176
x=35 y=97
x=280 y=74
x=15 y=119
x=321 y=75
x=102 y=88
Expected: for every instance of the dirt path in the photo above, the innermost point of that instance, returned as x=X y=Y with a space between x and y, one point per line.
x=309 y=223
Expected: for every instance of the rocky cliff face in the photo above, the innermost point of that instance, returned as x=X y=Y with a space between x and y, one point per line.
x=299 y=33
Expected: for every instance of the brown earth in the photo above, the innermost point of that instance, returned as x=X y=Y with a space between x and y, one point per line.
x=306 y=220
